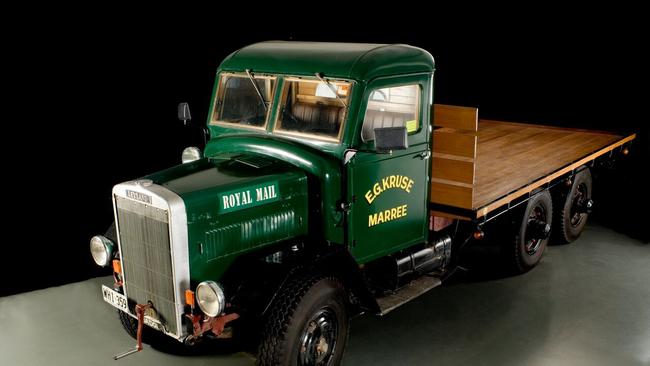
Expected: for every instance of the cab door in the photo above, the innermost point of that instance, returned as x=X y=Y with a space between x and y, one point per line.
x=389 y=191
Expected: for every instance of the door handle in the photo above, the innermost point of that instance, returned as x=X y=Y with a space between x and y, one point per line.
x=425 y=155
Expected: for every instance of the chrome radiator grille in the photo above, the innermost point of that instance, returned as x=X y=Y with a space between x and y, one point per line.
x=146 y=257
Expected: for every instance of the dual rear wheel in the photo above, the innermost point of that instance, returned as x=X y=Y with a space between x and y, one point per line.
x=566 y=214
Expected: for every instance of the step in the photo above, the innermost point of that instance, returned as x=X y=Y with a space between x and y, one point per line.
x=409 y=292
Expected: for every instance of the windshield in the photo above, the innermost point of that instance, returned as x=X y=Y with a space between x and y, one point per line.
x=238 y=102
x=313 y=108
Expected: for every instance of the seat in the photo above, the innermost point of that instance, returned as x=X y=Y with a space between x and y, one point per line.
x=315 y=118
x=377 y=119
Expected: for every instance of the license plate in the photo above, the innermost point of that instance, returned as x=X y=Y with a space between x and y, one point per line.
x=153 y=323
x=115 y=298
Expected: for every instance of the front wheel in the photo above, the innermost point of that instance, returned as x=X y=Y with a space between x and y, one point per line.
x=307 y=325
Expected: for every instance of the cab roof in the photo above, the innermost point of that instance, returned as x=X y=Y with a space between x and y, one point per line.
x=357 y=61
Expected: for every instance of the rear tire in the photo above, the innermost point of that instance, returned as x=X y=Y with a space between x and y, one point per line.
x=307 y=325
x=569 y=220
x=532 y=237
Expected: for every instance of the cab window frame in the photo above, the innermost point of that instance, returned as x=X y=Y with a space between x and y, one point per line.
x=419 y=96
x=282 y=101
x=219 y=94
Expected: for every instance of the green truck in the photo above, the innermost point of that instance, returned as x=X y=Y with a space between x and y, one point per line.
x=330 y=186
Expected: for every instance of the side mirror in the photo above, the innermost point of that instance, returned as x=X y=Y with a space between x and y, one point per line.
x=184 y=112
x=391 y=138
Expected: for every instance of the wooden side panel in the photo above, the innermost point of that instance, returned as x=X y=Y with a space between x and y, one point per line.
x=307 y=88
x=454 y=143
x=454 y=155
x=448 y=193
x=460 y=118
x=452 y=169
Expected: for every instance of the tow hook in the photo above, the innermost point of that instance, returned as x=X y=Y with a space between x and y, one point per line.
x=139 y=311
x=216 y=325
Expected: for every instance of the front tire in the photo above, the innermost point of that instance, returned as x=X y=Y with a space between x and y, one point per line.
x=307 y=325
x=532 y=237
x=129 y=324
x=152 y=337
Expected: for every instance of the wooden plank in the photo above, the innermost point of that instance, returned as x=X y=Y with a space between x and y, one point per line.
x=524 y=124
x=452 y=182
x=461 y=118
x=447 y=142
x=509 y=159
x=452 y=169
x=540 y=182
x=452 y=157
x=451 y=194
x=307 y=88
x=313 y=99
x=510 y=155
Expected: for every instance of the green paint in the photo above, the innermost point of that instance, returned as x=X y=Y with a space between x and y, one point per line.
x=247 y=197
x=357 y=61
x=308 y=178
x=225 y=235
x=320 y=165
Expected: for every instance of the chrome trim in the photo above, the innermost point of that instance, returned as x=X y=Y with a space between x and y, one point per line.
x=190 y=154
x=348 y=155
x=164 y=199
x=107 y=245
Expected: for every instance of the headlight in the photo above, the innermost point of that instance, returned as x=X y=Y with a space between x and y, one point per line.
x=210 y=298
x=102 y=250
x=190 y=154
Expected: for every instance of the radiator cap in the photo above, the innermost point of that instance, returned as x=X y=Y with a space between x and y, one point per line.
x=144 y=182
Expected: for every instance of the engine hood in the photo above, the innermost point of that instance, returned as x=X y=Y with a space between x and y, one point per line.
x=236 y=203
x=229 y=175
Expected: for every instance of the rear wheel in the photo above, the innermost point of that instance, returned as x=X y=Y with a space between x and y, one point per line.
x=573 y=208
x=532 y=236
x=308 y=324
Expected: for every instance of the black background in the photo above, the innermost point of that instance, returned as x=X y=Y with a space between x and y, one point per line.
x=93 y=103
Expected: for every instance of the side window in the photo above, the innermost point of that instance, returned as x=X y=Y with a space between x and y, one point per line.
x=392 y=107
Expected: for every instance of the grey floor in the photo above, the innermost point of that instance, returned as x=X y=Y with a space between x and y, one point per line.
x=586 y=304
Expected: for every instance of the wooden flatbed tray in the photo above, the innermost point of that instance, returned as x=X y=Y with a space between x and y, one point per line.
x=483 y=165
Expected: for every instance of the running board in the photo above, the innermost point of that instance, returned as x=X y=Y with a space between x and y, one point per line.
x=409 y=292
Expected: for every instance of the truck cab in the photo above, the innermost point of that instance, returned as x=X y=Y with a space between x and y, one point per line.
x=331 y=109
x=317 y=197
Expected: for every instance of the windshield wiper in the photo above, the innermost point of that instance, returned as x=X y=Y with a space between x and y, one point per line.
x=257 y=88
x=320 y=77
